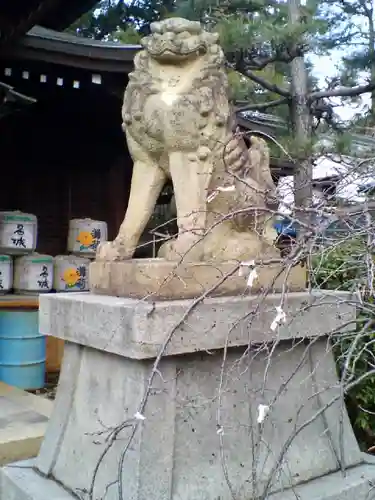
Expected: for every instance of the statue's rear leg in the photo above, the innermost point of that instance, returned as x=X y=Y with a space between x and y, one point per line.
x=148 y=180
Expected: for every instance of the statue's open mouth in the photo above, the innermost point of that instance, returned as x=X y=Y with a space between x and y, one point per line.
x=172 y=50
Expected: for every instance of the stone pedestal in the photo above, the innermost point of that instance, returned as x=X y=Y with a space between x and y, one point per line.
x=160 y=279
x=197 y=437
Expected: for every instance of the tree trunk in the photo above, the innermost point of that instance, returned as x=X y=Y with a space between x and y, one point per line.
x=371 y=48
x=301 y=124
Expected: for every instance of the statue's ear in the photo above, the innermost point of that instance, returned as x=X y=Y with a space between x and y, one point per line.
x=145 y=41
x=156 y=27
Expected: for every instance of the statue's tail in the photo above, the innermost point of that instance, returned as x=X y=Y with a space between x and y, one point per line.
x=260 y=160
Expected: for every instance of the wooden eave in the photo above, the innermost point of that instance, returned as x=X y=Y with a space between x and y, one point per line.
x=69 y=50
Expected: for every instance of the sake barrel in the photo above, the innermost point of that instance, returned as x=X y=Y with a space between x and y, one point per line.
x=6 y=274
x=85 y=235
x=18 y=232
x=33 y=273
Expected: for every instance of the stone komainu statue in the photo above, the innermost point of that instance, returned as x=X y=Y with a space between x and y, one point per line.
x=178 y=125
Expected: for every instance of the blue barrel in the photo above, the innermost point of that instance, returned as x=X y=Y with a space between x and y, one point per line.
x=22 y=349
x=286 y=227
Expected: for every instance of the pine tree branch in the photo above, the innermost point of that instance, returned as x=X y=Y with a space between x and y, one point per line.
x=261 y=64
x=343 y=92
x=261 y=105
x=265 y=83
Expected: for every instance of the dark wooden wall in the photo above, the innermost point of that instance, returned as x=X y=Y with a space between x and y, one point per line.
x=66 y=158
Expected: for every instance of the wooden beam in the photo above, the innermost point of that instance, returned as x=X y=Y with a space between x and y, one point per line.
x=19 y=302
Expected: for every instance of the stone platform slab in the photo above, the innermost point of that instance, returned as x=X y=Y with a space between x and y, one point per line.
x=137 y=329
x=159 y=279
x=23 y=422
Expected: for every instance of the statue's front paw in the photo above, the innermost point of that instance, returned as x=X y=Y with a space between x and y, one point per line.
x=111 y=251
x=107 y=251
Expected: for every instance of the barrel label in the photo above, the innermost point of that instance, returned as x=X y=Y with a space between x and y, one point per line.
x=74 y=278
x=88 y=240
x=37 y=276
x=18 y=236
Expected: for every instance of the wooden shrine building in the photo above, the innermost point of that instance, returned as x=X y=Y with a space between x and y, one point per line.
x=63 y=150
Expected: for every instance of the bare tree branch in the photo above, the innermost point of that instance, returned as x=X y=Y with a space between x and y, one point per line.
x=343 y=92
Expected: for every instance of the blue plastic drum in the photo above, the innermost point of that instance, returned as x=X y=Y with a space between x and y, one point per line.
x=22 y=349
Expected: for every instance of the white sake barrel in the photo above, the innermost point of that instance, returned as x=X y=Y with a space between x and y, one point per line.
x=85 y=236
x=18 y=232
x=71 y=273
x=6 y=274
x=33 y=273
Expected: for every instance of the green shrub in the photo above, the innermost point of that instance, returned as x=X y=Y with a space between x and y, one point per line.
x=341 y=266
x=344 y=266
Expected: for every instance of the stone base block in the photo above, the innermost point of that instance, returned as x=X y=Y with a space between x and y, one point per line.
x=158 y=279
x=357 y=483
x=21 y=482
x=198 y=431
x=175 y=453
